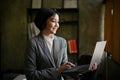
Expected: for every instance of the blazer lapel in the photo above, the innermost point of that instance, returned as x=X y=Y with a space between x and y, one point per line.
x=46 y=51
x=56 y=53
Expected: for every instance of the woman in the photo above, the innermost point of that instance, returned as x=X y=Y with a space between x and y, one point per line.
x=47 y=53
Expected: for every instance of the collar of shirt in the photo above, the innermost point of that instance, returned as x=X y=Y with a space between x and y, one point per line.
x=49 y=42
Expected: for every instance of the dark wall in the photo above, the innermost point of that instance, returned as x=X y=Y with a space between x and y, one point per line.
x=91 y=24
x=13 y=33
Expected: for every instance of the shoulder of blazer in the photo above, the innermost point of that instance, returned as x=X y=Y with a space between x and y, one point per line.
x=60 y=38
x=36 y=39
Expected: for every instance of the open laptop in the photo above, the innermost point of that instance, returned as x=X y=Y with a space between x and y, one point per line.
x=96 y=58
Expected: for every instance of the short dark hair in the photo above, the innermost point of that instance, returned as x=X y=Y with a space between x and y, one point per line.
x=42 y=16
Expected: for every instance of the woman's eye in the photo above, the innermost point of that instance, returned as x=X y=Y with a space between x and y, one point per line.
x=53 y=21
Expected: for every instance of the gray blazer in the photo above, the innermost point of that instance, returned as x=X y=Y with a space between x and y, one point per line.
x=40 y=64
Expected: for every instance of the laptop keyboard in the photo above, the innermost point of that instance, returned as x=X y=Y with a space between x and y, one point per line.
x=78 y=68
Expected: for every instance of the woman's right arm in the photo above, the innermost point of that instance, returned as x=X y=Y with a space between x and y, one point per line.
x=31 y=71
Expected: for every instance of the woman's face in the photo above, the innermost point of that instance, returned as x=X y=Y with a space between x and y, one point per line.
x=52 y=24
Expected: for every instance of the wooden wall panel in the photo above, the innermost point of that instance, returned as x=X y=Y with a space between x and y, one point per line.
x=108 y=25
x=112 y=25
x=116 y=30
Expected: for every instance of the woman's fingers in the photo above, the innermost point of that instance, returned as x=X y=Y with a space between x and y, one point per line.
x=70 y=64
x=94 y=67
x=64 y=66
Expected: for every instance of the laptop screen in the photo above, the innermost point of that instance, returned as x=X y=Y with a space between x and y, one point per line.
x=97 y=54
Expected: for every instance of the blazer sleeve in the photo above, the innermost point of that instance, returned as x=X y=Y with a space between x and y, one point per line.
x=65 y=57
x=31 y=71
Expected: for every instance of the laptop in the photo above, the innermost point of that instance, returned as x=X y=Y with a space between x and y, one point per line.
x=96 y=58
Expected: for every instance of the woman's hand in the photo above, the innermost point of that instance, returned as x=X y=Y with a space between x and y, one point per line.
x=94 y=67
x=64 y=66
